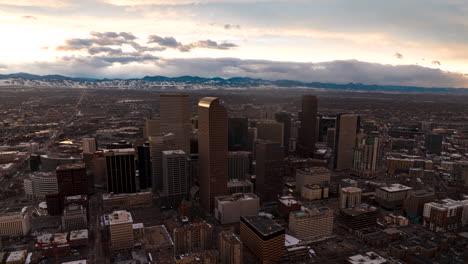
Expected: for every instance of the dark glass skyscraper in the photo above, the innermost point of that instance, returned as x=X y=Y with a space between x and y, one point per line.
x=144 y=166
x=120 y=170
x=238 y=134
x=308 y=131
x=433 y=143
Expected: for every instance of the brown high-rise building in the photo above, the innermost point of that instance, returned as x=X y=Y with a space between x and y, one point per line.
x=158 y=143
x=270 y=130
x=308 y=131
x=72 y=179
x=175 y=118
x=213 y=150
x=269 y=170
x=346 y=135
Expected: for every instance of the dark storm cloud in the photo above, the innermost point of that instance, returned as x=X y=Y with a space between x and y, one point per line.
x=168 y=42
x=209 y=44
x=100 y=42
x=97 y=50
x=171 y=42
x=138 y=64
x=334 y=71
x=398 y=55
x=30 y=17
x=75 y=44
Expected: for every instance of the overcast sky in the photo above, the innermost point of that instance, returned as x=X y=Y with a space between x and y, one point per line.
x=399 y=42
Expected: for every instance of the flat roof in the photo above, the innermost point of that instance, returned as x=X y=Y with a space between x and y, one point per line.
x=173 y=152
x=157 y=236
x=351 y=189
x=396 y=187
x=367 y=258
x=236 y=197
x=79 y=234
x=71 y=166
x=263 y=225
x=120 y=217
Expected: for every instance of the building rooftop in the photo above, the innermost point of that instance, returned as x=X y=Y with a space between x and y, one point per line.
x=264 y=226
x=368 y=258
x=447 y=204
x=288 y=200
x=125 y=151
x=79 y=234
x=351 y=189
x=107 y=196
x=120 y=217
x=17 y=256
x=173 y=152
x=71 y=166
x=313 y=211
x=60 y=238
x=83 y=261
x=236 y=197
x=361 y=209
x=396 y=187
x=157 y=237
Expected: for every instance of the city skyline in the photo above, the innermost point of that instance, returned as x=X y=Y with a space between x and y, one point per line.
x=418 y=43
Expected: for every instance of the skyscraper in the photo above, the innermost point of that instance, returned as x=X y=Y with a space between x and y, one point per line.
x=271 y=130
x=307 y=134
x=120 y=170
x=239 y=165
x=285 y=119
x=433 y=143
x=175 y=118
x=72 y=179
x=213 y=150
x=269 y=170
x=346 y=131
x=159 y=143
x=365 y=157
x=176 y=182
x=144 y=166
x=238 y=134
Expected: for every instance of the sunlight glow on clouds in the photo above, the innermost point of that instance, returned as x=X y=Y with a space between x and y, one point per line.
x=110 y=37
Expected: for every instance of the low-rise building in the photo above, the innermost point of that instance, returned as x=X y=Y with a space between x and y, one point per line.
x=311 y=223
x=350 y=197
x=392 y=196
x=445 y=215
x=74 y=218
x=359 y=217
x=14 y=222
x=126 y=201
x=315 y=192
x=368 y=258
x=288 y=204
x=121 y=231
x=230 y=208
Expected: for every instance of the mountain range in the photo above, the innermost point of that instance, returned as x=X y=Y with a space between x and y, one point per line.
x=197 y=83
